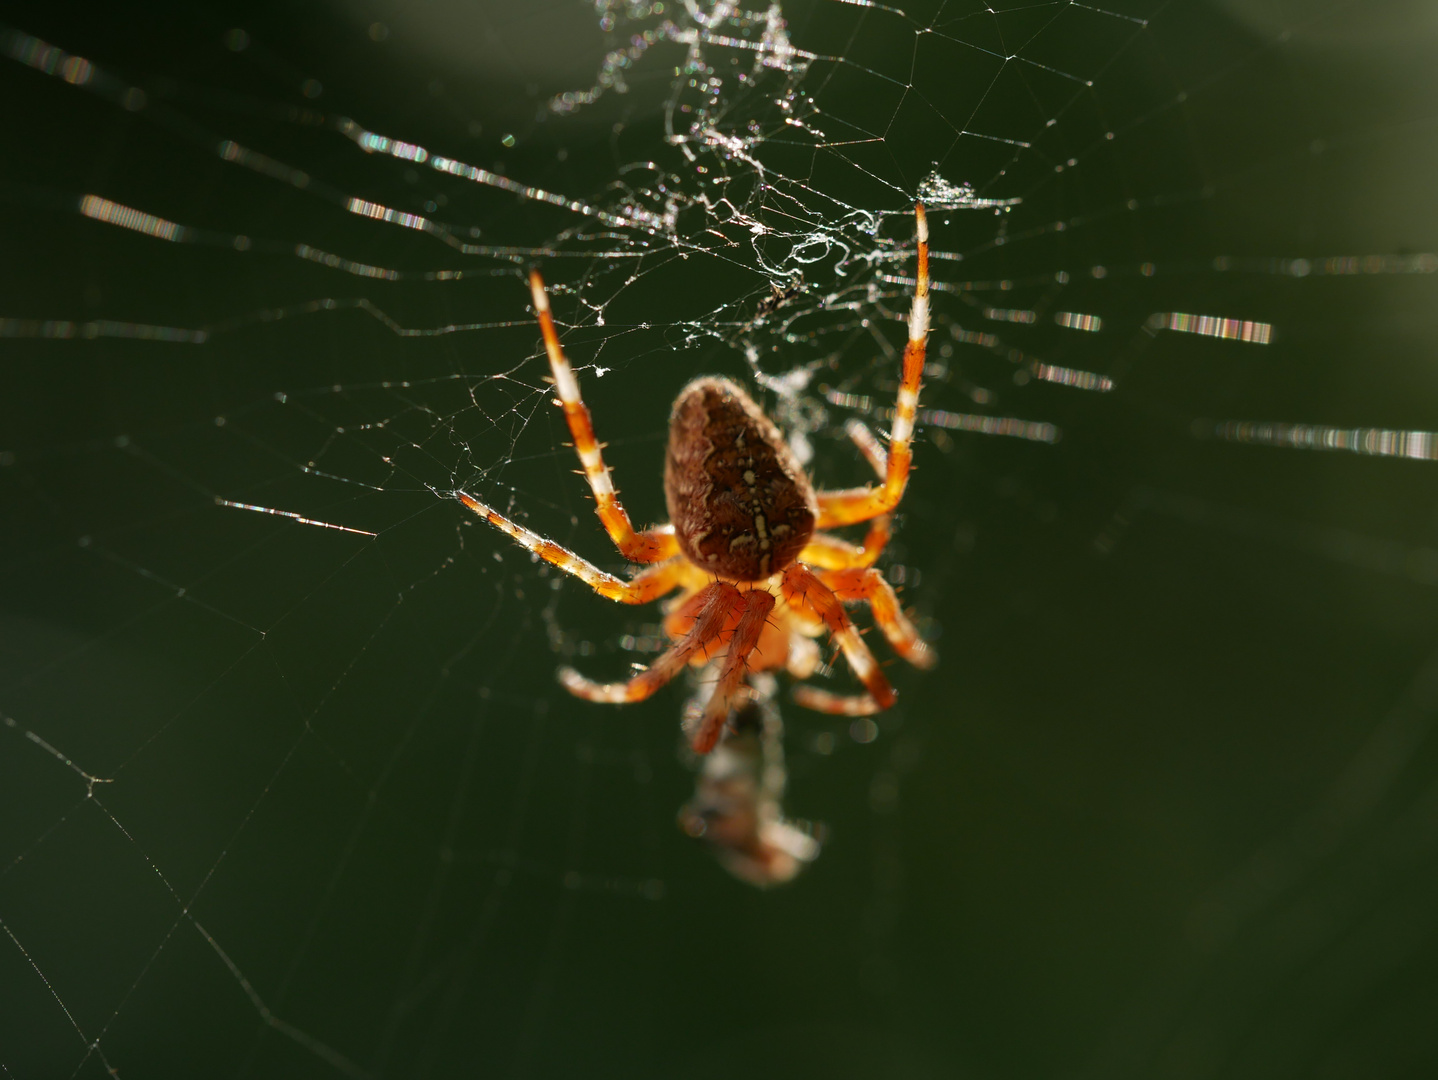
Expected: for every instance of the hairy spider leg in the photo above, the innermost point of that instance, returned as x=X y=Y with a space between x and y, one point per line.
x=649 y=584
x=860 y=504
x=758 y=603
x=869 y=445
x=719 y=600
x=849 y=571
x=805 y=591
x=681 y=611
x=869 y=585
x=651 y=545
x=811 y=697
x=831 y=553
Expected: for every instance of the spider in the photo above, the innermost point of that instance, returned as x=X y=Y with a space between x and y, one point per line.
x=743 y=544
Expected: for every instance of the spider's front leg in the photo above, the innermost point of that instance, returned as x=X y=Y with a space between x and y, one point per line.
x=645 y=586
x=652 y=545
x=860 y=504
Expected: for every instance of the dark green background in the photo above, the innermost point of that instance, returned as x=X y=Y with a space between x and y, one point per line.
x=1166 y=809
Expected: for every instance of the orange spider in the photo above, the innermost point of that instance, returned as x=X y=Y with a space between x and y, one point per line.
x=742 y=543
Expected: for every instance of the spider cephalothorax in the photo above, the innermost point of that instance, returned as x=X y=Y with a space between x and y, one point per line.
x=756 y=575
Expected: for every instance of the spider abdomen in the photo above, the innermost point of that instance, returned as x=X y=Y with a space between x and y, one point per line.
x=742 y=507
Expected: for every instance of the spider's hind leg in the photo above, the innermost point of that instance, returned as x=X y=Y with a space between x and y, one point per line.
x=802 y=589
x=869 y=585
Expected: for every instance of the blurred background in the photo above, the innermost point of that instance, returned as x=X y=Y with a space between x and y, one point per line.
x=287 y=787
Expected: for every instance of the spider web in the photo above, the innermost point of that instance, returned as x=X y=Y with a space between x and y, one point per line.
x=289 y=786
